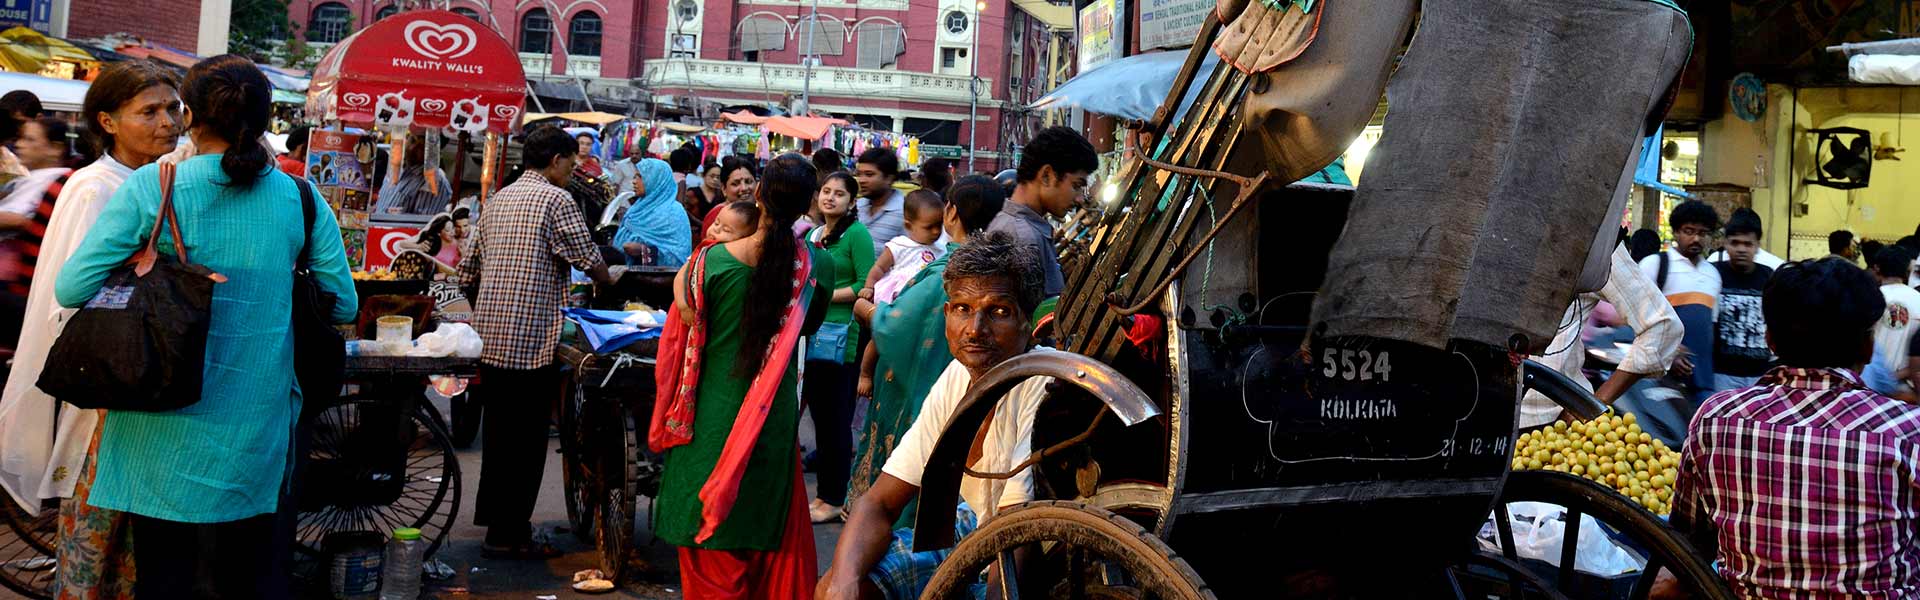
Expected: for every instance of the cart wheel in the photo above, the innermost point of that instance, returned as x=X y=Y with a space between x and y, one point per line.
x=1584 y=499
x=348 y=487
x=26 y=550
x=466 y=419
x=1101 y=553
x=614 y=532
x=581 y=495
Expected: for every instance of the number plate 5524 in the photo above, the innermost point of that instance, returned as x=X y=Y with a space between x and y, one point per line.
x=1355 y=365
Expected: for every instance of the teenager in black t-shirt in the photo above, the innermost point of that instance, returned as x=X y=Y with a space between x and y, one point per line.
x=1740 y=354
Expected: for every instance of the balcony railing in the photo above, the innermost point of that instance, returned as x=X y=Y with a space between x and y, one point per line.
x=827 y=81
x=577 y=66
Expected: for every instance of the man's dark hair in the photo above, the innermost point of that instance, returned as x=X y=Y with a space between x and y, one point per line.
x=976 y=199
x=1058 y=147
x=828 y=160
x=1642 y=244
x=546 y=143
x=1892 y=261
x=1693 y=212
x=937 y=173
x=998 y=254
x=1911 y=243
x=1870 y=249
x=298 y=137
x=1821 y=313
x=683 y=160
x=882 y=159
x=1744 y=220
x=1839 y=241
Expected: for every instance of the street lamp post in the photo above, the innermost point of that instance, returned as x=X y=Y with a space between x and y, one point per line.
x=806 y=87
x=973 y=83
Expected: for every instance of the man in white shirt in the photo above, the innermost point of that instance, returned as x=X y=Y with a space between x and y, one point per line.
x=1656 y=339
x=992 y=291
x=1893 y=335
x=1692 y=286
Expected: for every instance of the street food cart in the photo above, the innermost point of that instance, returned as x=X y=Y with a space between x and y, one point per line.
x=383 y=457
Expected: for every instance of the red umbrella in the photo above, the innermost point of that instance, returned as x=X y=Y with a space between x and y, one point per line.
x=423 y=69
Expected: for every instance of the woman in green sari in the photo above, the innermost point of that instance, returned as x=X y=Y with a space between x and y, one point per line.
x=909 y=349
x=734 y=425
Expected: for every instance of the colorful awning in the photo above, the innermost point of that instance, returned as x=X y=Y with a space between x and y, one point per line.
x=24 y=50
x=421 y=69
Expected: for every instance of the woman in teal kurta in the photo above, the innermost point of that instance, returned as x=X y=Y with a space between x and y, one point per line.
x=224 y=458
x=761 y=547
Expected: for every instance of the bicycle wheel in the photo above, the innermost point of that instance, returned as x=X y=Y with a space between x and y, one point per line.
x=359 y=477
x=613 y=534
x=1585 y=499
x=27 y=550
x=578 y=488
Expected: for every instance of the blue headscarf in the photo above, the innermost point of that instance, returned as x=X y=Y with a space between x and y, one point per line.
x=657 y=219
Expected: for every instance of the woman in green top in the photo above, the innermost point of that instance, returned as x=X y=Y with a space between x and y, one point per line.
x=760 y=547
x=909 y=349
x=832 y=355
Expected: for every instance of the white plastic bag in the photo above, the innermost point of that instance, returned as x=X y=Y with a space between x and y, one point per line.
x=451 y=339
x=1539 y=531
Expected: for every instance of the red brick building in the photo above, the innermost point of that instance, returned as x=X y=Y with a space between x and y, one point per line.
x=595 y=37
x=197 y=26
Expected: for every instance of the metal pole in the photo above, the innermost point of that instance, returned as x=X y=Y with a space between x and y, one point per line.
x=806 y=88
x=973 y=85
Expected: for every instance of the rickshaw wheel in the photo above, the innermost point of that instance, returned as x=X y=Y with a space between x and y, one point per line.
x=1150 y=569
x=428 y=493
x=614 y=532
x=26 y=550
x=1585 y=499
x=580 y=493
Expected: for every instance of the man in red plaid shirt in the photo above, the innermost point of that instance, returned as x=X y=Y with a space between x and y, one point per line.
x=1804 y=485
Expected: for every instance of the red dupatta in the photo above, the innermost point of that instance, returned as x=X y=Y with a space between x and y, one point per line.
x=677 y=378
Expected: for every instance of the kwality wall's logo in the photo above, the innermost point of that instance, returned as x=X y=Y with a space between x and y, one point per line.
x=440 y=43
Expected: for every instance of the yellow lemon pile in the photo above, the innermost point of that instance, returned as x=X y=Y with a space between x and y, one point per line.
x=1611 y=450
x=374 y=275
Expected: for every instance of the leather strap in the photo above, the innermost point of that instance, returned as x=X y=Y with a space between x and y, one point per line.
x=143 y=260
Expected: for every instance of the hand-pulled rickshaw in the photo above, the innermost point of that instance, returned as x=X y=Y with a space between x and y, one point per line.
x=1330 y=410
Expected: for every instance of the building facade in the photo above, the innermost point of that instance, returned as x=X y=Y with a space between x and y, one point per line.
x=921 y=67
x=197 y=26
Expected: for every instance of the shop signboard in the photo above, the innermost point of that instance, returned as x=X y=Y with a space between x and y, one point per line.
x=34 y=14
x=1102 y=33
x=1172 y=23
x=938 y=151
x=383 y=243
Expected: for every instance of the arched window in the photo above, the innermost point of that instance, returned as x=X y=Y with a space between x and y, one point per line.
x=829 y=36
x=386 y=12
x=880 y=44
x=583 y=34
x=331 y=23
x=536 y=32
x=468 y=13
x=762 y=33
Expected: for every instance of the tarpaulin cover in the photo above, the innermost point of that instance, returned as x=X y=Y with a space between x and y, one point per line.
x=422 y=69
x=24 y=50
x=55 y=94
x=1130 y=88
x=743 y=118
x=805 y=128
x=1485 y=236
x=608 y=330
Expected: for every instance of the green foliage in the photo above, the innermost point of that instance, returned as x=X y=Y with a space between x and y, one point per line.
x=258 y=28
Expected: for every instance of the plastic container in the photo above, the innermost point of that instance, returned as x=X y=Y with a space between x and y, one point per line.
x=400 y=576
x=354 y=564
x=395 y=332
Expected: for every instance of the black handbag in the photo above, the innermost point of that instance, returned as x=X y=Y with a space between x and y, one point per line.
x=141 y=342
x=319 y=352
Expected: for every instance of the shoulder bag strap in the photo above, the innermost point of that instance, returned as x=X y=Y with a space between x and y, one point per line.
x=1660 y=280
x=306 y=207
x=143 y=260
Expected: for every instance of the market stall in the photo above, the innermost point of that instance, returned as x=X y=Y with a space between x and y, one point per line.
x=387 y=98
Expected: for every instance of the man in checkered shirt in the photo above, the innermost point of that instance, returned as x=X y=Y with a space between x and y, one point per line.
x=1804 y=485
x=516 y=271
